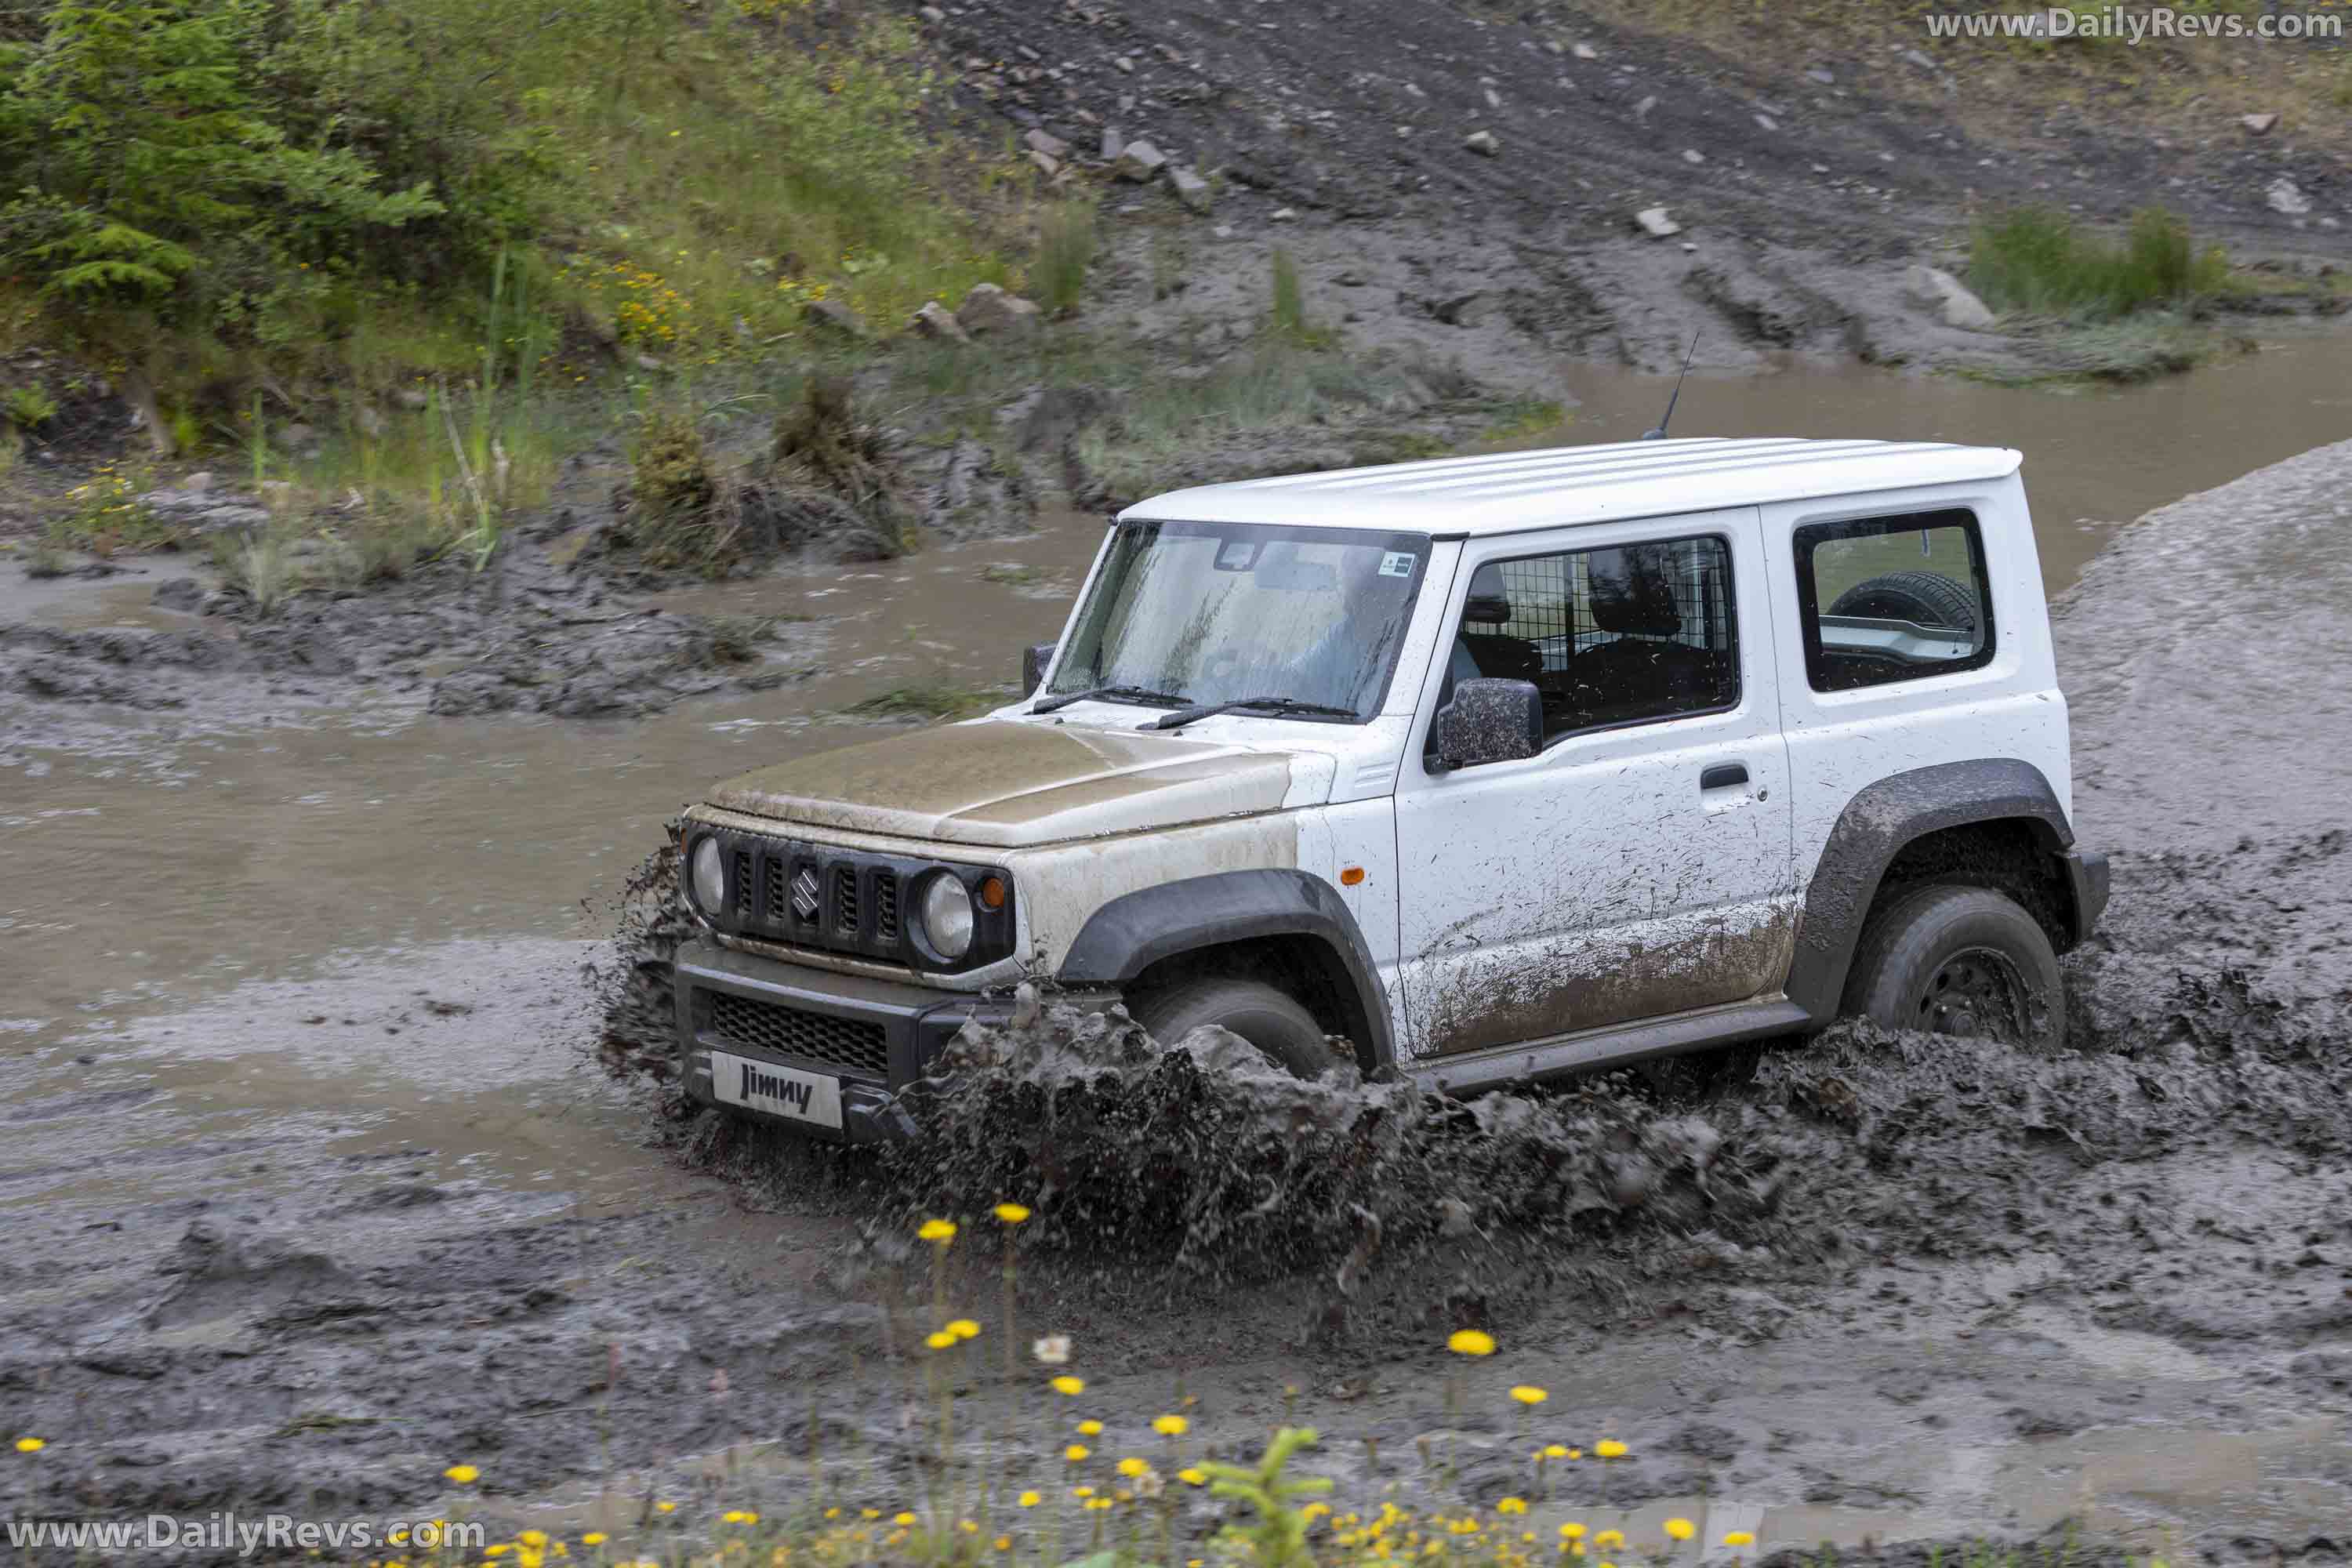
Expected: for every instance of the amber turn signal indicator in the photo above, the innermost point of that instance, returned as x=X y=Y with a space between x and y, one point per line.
x=992 y=893
x=1351 y=874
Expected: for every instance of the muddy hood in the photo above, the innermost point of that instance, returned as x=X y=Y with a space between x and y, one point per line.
x=1008 y=784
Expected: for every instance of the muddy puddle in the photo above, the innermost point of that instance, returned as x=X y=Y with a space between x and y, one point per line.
x=313 y=1188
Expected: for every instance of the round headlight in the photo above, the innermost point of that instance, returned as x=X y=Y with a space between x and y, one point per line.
x=709 y=882
x=947 y=915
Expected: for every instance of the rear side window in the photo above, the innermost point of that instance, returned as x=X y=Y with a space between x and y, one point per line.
x=1893 y=599
x=1625 y=635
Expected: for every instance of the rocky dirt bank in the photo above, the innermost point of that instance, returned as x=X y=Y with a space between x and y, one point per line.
x=1918 y=1288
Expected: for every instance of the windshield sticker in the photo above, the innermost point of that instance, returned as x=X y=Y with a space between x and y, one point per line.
x=1397 y=563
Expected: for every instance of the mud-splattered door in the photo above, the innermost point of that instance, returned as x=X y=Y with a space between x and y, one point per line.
x=1640 y=865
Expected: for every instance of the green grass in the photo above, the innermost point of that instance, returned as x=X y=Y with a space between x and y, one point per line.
x=1288 y=319
x=28 y=407
x=2039 y=261
x=1066 y=242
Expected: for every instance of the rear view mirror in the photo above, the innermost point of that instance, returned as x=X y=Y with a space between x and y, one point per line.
x=1487 y=721
x=1035 y=661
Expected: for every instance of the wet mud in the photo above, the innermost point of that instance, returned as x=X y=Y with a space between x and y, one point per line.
x=304 y=1239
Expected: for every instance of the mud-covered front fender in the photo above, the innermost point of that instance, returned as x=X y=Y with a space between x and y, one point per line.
x=1131 y=934
x=1900 y=809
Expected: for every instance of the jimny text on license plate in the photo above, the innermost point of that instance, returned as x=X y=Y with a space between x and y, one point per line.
x=778 y=1090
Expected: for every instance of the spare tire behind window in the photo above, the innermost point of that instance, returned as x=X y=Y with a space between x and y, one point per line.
x=1923 y=598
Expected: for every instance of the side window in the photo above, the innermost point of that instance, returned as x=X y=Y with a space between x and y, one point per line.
x=1893 y=599
x=1625 y=635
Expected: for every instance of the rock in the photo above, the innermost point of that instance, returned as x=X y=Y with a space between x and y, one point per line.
x=1823 y=75
x=989 y=311
x=1282 y=215
x=1482 y=143
x=1554 y=47
x=1585 y=52
x=1047 y=164
x=197 y=484
x=2285 y=196
x=1655 y=223
x=936 y=321
x=833 y=316
x=1765 y=122
x=1139 y=161
x=931 y=14
x=1048 y=144
x=1112 y=146
x=1124 y=65
x=1914 y=56
x=182 y=593
x=1465 y=310
x=2258 y=123
x=1642 y=110
x=1191 y=189
x=1693 y=155
x=1933 y=288
x=413 y=399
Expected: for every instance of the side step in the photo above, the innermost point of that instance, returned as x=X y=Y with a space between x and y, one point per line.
x=1615 y=1046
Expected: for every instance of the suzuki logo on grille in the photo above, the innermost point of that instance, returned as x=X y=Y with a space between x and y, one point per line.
x=804 y=893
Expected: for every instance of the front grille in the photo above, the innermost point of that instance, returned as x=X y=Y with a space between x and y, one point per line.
x=886 y=907
x=778 y=896
x=742 y=881
x=844 y=1043
x=845 y=900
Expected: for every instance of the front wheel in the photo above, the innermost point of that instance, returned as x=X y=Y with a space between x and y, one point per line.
x=1284 y=1032
x=1959 y=960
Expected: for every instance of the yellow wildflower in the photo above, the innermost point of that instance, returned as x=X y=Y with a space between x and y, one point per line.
x=35 y=1444
x=964 y=1329
x=1608 y=1538
x=1029 y=1499
x=1171 y=1425
x=1528 y=1394
x=941 y=1340
x=941 y=1231
x=1076 y=1452
x=1471 y=1341
x=1512 y=1505
x=1065 y=1383
x=902 y=1519
x=1558 y=1451
x=1011 y=1214
x=1681 y=1528
x=1194 y=1476
x=593 y=1538
x=1133 y=1468
x=1571 y=1531
x=1740 y=1538
x=1609 y=1449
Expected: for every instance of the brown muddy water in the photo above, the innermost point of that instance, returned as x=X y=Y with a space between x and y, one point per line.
x=296 y=1029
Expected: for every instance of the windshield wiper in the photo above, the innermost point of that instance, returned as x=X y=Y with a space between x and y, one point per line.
x=1184 y=716
x=1134 y=693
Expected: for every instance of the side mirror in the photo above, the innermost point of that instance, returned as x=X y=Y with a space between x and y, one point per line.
x=1035 y=661
x=1487 y=721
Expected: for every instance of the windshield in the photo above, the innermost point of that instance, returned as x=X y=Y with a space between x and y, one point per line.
x=1199 y=613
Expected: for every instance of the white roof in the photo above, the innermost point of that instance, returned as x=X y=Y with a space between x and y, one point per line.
x=1508 y=491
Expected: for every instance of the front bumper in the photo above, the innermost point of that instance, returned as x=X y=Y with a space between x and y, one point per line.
x=874 y=1036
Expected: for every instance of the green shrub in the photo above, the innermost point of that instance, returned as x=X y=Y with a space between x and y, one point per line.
x=1288 y=320
x=2037 y=260
x=29 y=407
x=1066 y=249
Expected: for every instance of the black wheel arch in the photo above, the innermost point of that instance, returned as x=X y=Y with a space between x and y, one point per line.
x=2000 y=812
x=1276 y=910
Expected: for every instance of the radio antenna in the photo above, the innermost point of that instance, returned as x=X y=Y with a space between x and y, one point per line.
x=1660 y=433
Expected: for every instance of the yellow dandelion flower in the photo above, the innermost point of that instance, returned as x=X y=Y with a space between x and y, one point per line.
x=1076 y=1452
x=1011 y=1214
x=968 y=1525
x=35 y=1444
x=1131 y=1467
x=1528 y=1394
x=1558 y=1451
x=1471 y=1341
x=593 y=1538
x=463 y=1475
x=1030 y=1500
x=1171 y=1425
x=1065 y=1383
x=502 y=1547
x=1082 y=1492
x=665 y=1508
x=1740 y=1538
x=1192 y=1475
x=941 y=1340
x=735 y=1516
x=1512 y=1505
x=1571 y=1531
x=1681 y=1528
x=535 y=1538
x=1609 y=1538
x=964 y=1329
x=1003 y=1544
x=902 y=1519
x=1089 y=1428
x=941 y=1231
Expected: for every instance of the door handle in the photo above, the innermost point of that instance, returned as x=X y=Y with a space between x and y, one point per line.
x=1722 y=776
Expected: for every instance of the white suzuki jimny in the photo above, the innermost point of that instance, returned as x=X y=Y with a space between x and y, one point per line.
x=1483 y=770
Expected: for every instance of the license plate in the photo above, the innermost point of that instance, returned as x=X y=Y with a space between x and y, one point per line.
x=780 y=1091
